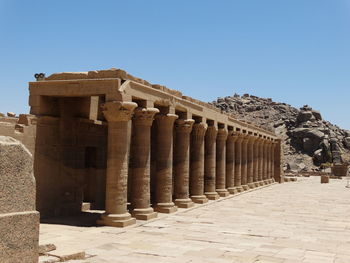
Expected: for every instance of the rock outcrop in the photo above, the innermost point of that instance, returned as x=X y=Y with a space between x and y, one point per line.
x=309 y=140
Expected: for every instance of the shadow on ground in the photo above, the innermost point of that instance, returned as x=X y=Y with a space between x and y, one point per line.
x=86 y=219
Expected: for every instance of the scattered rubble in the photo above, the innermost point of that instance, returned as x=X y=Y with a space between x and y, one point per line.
x=309 y=140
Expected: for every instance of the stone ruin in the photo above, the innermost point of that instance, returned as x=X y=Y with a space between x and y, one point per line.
x=109 y=139
x=19 y=222
x=22 y=128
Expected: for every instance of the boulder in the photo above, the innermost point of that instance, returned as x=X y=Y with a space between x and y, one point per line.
x=19 y=222
x=317 y=115
x=295 y=167
x=307 y=133
x=11 y=114
x=347 y=142
x=318 y=156
x=305 y=116
x=310 y=145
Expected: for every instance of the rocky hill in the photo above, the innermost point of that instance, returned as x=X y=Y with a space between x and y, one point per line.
x=309 y=140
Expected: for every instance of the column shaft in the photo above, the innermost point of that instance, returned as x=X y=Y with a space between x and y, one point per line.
x=210 y=163
x=238 y=164
x=221 y=162
x=244 y=164
x=261 y=163
x=266 y=161
x=230 y=162
x=197 y=163
x=140 y=164
x=256 y=163
x=273 y=145
x=164 y=163
x=250 y=162
x=181 y=162
x=118 y=115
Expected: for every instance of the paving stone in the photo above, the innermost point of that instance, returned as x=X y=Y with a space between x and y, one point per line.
x=287 y=223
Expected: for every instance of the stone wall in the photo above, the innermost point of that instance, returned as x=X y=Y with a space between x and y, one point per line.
x=19 y=222
x=22 y=128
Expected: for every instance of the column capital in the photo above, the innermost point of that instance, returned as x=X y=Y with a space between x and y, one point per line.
x=199 y=129
x=222 y=134
x=118 y=111
x=144 y=116
x=184 y=125
x=211 y=133
x=245 y=138
x=252 y=139
x=240 y=136
x=168 y=118
x=232 y=136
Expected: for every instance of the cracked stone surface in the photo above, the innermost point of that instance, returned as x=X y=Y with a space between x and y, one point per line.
x=302 y=221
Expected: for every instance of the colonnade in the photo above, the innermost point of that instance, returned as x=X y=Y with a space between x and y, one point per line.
x=194 y=161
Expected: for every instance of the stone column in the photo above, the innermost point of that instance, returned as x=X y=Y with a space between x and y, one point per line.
x=261 y=162
x=250 y=162
x=244 y=164
x=140 y=164
x=266 y=161
x=272 y=178
x=197 y=163
x=210 y=164
x=183 y=130
x=221 y=162
x=118 y=114
x=230 y=162
x=238 y=163
x=256 y=162
x=164 y=163
x=278 y=160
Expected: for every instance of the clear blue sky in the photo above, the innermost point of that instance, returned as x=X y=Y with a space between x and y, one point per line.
x=294 y=51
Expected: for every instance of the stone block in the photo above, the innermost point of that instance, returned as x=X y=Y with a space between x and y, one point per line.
x=19 y=222
x=324 y=179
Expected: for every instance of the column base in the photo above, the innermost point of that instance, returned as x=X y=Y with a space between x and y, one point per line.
x=166 y=208
x=245 y=187
x=223 y=192
x=116 y=220
x=256 y=184
x=239 y=189
x=212 y=195
x=232 y=190
x=184 y=203
x=261 y=183
x=273 y=180
x=251 y=185
x=199 y=199
x=266 y=182
x=144 y=213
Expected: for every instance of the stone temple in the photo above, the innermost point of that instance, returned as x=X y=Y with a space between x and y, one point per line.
x=134 y=149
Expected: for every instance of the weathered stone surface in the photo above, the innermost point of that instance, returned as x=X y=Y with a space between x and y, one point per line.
x=317 y=115
x=22 y=128
x=303 y=131
x=19 y=222
x=305 y=116
x=11 y=114
x=347 y=142
x=17 y=186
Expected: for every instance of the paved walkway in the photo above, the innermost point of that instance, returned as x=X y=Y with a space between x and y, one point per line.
x=300 y=221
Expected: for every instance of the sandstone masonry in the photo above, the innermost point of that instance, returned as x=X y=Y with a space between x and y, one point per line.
x=108 y=138
x=19 y=222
